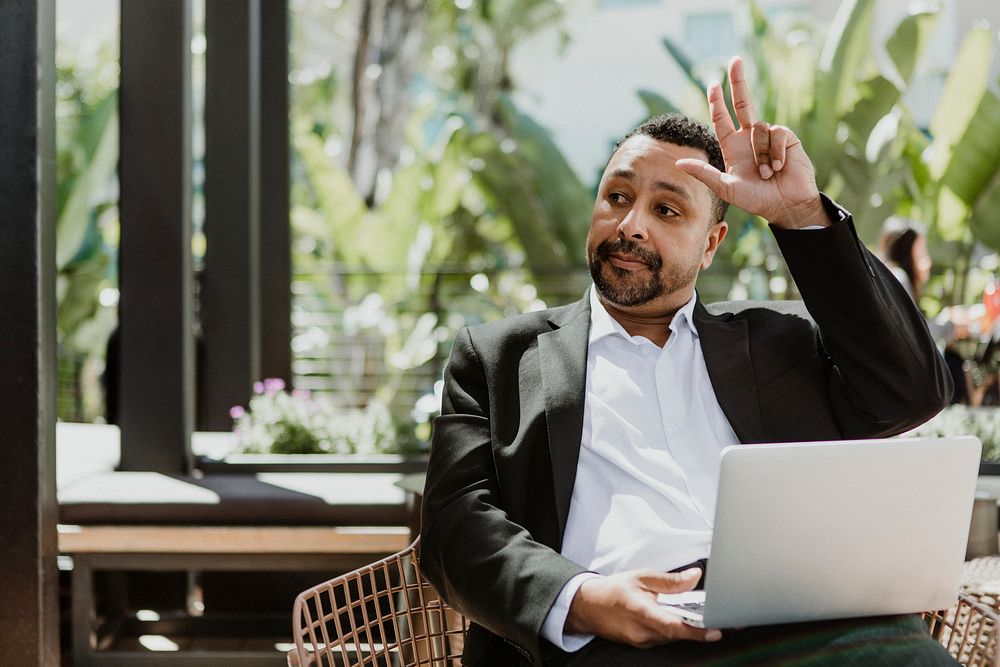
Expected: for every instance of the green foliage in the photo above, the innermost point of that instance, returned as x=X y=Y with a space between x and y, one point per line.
x=868 y=152
x=480 y=197
x=86 y=223
x=965 y=151
x=909 y=40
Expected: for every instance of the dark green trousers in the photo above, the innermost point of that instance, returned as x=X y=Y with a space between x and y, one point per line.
x=883 y=641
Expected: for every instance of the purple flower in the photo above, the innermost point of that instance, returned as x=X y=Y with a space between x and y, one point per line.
x=237 y=411
x=273 y=385
x=258 y=387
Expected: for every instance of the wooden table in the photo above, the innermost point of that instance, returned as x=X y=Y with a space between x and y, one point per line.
x=203 y=548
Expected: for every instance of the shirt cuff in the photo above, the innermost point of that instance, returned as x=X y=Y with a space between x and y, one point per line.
x=555 y=621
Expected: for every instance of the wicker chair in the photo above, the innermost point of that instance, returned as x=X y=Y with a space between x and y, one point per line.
x=387 y=615
x=969 y=630
x=384 y=614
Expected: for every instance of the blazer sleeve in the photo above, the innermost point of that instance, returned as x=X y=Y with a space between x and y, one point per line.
x=481 y=562
x=887 y=375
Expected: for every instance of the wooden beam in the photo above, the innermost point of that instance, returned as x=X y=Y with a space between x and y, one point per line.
x=232 y=539
x=275 y=227
x=156 y=406
x=29 y=615
x=230 y=282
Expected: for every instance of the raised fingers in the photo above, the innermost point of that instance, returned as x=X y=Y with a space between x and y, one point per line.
x=781 y=140
x=742 y=103
x=770 y=146
x=760 y=138
x=722 y=122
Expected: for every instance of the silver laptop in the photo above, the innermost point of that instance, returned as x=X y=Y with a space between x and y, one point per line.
x=824 y=530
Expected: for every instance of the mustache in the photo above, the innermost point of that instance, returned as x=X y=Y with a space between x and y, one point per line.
x=630 y=250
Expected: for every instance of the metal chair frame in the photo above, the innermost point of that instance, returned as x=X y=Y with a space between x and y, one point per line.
x=969 y=630
x=383 y=614
x=387 y=615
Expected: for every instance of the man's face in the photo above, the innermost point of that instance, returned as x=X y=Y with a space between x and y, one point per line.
x=652 y=229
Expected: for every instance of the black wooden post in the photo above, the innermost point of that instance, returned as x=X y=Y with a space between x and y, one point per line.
x=29 y=616
x=230 y=285
x=157 y=293
x=275 y=231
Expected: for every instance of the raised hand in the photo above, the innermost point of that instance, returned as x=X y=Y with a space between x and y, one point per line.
x=623 y=608
x=767 y=171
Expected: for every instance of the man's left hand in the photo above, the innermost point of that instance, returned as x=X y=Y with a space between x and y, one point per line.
x=767 y=171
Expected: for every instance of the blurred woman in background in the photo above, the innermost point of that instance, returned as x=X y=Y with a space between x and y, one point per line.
x=902 y=246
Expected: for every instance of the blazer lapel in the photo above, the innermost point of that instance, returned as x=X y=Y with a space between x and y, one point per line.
x=563 y=359
x=725 y=343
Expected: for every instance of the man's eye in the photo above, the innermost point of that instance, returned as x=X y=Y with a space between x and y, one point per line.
x=665 y=210
x=617 y=198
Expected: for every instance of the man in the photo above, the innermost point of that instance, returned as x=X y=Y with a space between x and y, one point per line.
x=575 y=462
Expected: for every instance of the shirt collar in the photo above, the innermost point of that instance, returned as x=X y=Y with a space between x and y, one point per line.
x=602 y=324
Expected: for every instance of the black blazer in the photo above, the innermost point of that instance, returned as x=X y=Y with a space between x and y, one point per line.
x=858 y=363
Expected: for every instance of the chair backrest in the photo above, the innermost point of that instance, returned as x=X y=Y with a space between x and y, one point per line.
x=385 y=613
x=969 y=630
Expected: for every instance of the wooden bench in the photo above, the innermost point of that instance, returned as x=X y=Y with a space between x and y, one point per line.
x=137 y=521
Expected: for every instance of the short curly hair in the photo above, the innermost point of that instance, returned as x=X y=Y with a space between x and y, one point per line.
x=677 y=129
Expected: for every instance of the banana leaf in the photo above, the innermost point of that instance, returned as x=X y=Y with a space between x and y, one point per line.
x=878 y=97
x=843 y=54
x=511 y=188
x=566 y=201
x=757 y=46
x=685 y=64
x=82 y=283
x=908 y=41
x=656 y=104
x=699 y=86
x=985 y=220
x=975 y=158
x=342 y=206
x=951 y=216
x=97 y=142
x=960 y=98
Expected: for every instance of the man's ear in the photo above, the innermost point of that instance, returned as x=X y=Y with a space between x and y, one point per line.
x=716 y=233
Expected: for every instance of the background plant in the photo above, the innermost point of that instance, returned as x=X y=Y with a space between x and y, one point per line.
x=277 y=421
x=87 y=222
x=471 y=214
x=424 y=199
x=849 y=108
x=984 y=423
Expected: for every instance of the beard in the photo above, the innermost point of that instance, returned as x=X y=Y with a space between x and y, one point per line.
x=634 y=288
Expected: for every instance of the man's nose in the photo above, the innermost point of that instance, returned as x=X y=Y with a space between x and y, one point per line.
x=633 y=226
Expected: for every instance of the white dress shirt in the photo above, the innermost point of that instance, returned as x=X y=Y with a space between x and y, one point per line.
x=647 y=476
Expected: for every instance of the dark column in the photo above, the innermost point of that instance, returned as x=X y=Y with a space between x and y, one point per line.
x=156 y=308
x=275 y=231
x=230 y=287
x=29 y=615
